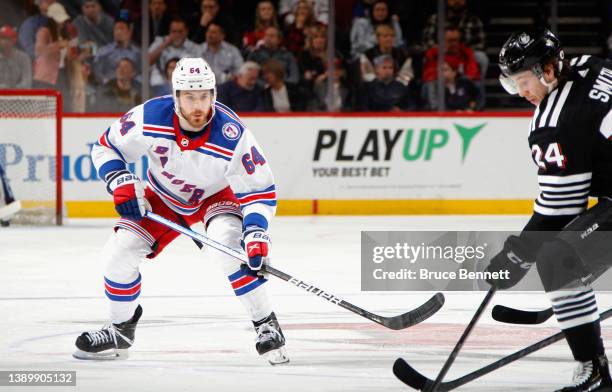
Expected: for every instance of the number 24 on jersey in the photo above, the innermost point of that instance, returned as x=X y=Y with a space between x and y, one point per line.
x=552 y=156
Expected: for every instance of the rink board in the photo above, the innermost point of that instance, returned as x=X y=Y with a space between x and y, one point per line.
x=348 y=164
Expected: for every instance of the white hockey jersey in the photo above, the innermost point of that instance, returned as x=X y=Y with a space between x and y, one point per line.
x=184 y=171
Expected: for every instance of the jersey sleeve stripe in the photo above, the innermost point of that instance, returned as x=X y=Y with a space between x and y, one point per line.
x=543 y=201
x=558 y=211
x=565 y=195
x=565 y=179
x=268 y=189
x=208 y=151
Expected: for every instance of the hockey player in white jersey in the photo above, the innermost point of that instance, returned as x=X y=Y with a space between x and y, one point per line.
x=204 y=166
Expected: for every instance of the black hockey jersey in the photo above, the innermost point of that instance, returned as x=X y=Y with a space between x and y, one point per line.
x=570 y=137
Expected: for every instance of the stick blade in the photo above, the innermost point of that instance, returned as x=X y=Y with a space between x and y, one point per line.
x=508 y=315
x=417 y=315
x=409 y=376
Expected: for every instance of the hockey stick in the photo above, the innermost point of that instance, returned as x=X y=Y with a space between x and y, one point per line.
x=462 y=339
x=509 y=315
x=401 y=321
x=409 y=376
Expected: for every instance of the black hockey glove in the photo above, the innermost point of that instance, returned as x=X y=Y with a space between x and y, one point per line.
x=511 y=264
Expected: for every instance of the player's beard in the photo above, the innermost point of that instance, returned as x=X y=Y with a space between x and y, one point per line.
x=196 y=118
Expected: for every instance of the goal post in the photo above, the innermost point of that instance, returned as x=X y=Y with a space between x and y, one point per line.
x=31 y=152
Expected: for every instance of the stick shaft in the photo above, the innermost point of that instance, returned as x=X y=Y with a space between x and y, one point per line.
x=463 y=338
x=239 y=254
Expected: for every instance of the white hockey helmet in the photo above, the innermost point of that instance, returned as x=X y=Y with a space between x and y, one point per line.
x=193 y=73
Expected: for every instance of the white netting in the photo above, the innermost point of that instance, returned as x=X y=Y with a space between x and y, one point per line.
x=28 y=141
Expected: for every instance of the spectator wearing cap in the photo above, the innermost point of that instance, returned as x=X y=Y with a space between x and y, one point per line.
x=385 y=93
x=265 y=16
x=108 y=56
x=53 y=42
x=242 y=93
x=15 y=65
x=176 y=44
x=29 y=27
x=461 y=94
x=95 y=27
x=279 y=95
x=363 y=30
x=210 y=13
x=385 y=35
x=224 y=58
x=121 y=93
x=271 y=50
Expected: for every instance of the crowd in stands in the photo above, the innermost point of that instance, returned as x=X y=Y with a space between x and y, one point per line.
x=270 y=57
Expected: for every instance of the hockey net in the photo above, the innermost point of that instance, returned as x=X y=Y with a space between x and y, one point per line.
x=31 y=153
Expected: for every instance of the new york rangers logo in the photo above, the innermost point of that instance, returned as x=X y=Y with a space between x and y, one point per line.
x=230 y=131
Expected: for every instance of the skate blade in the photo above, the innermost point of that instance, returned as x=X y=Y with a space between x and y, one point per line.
x=276 y=357
x=108 y=355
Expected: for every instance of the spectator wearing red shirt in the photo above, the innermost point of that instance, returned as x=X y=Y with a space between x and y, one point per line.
x=458 y=56
x=265 y=16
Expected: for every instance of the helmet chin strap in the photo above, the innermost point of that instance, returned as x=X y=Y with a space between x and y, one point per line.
x=549 y=86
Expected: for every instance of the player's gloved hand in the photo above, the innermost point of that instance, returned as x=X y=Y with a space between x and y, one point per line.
x=515 y=258
x=256 y=242
x=128 y=194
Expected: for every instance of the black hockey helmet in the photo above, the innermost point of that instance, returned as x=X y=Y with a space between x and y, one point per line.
x=527 y=50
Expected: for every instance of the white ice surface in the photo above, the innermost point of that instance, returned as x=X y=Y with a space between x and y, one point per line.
x=194 y=335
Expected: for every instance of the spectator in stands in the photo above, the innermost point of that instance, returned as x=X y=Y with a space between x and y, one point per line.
x=210 y=12
x=271 y=49
x=265 y=16
x=341 y=90
x=30 y=26
x=15 y=65
x=296 y=31
x=121 y=93
x=313 y=61
x=472 y=35
x=159 y=20
x=610 y=47
x=363 y=31
x=242 y=93
x=385 y=93
x=176 y=44
x=95 y=27
x=224 y=58
x=461 y=92
x=51 y=48
x=385 y=35
x=166 y=87
x=320 y=8
x=279 y=95
x=458 y=56
x=108 y=56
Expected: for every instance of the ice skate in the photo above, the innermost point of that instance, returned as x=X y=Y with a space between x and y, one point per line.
x=593 y=375
x=270 y=341
x=110 y=342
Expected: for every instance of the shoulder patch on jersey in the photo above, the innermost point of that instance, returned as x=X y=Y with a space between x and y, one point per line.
x=231 y=131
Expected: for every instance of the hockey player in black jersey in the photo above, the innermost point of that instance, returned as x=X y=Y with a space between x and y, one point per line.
x=570 y=137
